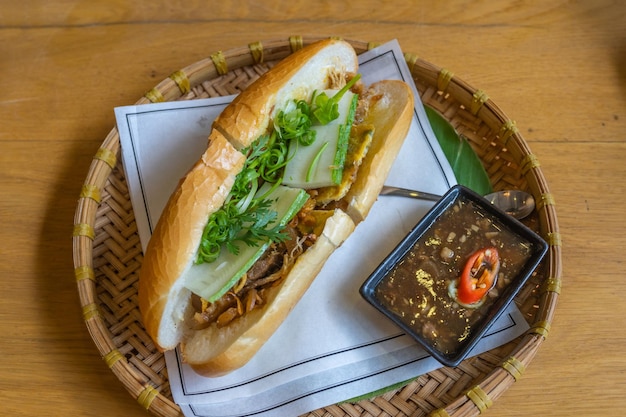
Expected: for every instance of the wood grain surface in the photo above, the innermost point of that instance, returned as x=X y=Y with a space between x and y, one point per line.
x=557 y=68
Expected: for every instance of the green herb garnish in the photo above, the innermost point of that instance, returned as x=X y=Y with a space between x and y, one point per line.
x=295 y=123
x=244 y=217
x=316 y=159
x=229 y=225
x=327 y=108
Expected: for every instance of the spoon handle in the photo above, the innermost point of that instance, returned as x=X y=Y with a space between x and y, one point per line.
x=404 y=192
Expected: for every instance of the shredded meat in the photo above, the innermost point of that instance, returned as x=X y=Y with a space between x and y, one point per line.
x=267 y=264
x=207 y=313
x=291 y=244
x=250 y=292
x=336 y=80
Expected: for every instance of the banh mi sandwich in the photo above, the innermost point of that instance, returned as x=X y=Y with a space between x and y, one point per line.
x=293 y=164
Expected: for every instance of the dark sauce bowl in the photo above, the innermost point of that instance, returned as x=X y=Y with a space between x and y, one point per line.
x=415 y=285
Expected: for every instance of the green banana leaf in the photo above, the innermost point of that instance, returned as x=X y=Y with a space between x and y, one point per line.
x=465 y=164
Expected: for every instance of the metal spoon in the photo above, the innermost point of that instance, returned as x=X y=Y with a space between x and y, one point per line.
x=516 y=203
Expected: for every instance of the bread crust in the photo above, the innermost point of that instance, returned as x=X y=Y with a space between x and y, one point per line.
x=295 y=77
x=177 y=235
x=164 y=301
x=391 y=112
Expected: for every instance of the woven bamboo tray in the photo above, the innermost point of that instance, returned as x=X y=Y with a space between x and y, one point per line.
x=108 y=256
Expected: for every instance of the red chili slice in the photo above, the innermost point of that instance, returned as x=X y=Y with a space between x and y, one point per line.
x=478 y=276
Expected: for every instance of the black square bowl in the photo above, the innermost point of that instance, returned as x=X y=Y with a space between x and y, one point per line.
x=416 y=285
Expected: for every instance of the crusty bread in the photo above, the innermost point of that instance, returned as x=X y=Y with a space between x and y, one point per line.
x=176 y=237
x=391 y=112
x=295 y=77
x=165 y=302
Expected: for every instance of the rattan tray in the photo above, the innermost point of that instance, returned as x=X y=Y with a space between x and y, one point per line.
x=108 y=256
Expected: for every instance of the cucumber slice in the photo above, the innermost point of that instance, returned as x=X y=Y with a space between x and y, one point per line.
x=321 y=163
x=343 y=140
x=212 y=280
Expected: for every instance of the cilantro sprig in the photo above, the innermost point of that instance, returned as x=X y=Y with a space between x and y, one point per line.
x=244 y=217
x=229 y=225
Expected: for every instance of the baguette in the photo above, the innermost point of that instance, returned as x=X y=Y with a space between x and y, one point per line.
x=170 y=310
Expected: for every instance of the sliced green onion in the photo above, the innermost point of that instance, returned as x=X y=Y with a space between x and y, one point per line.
x=316 y=159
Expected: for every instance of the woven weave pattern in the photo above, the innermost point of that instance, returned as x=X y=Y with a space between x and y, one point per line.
x=117 y=258
x=107 y=251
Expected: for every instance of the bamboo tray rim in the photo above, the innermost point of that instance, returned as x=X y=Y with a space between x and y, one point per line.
x=141 y=370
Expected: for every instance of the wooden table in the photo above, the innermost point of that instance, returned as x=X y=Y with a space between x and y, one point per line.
x=557 y=68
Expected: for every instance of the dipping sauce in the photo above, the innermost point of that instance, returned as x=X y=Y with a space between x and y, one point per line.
x=417 y=289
